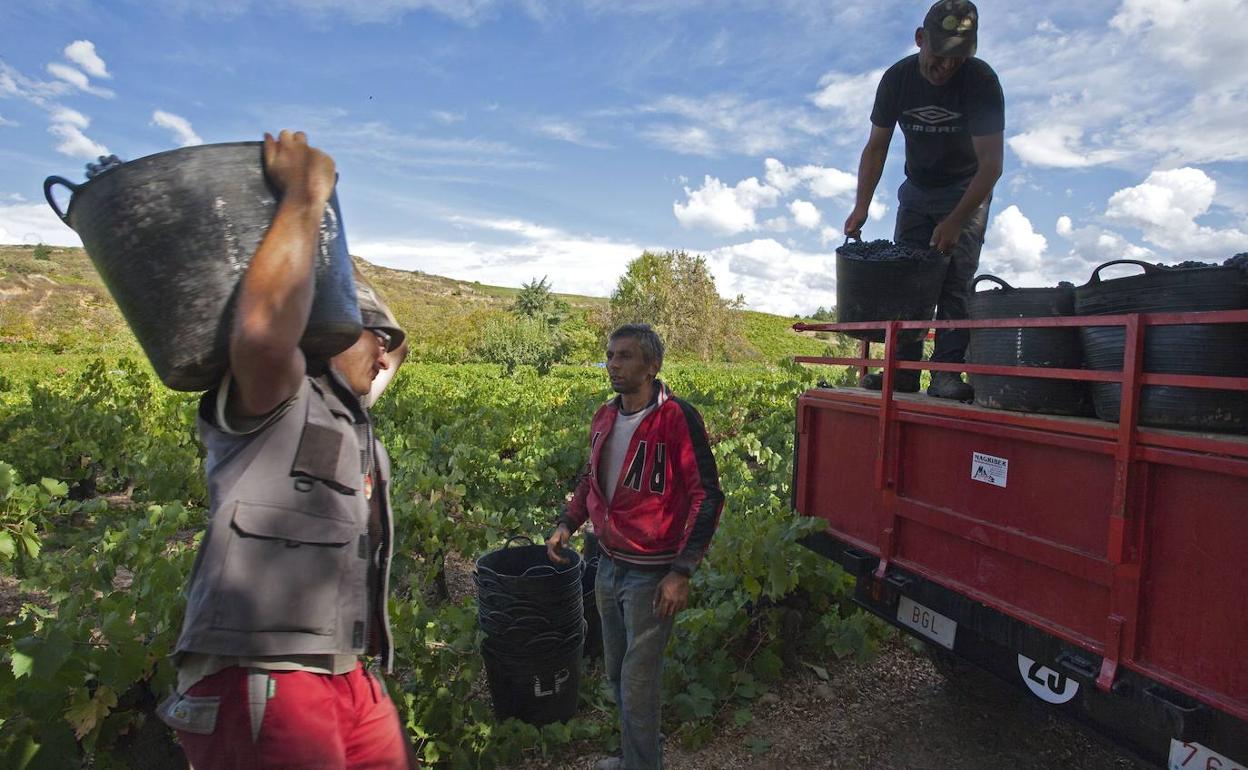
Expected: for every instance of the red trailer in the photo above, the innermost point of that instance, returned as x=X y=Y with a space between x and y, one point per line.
x=1100 y=566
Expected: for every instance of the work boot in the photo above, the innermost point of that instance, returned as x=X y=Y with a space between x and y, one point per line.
x=610 y=763
x=903 y=382
x=950 y=385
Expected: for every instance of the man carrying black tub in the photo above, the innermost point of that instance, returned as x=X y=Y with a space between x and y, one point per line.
x=951 y=112
x=289 y=585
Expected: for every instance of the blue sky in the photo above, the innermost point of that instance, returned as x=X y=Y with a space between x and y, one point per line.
x=502 y=140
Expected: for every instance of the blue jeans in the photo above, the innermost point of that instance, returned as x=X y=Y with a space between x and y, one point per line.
x=633 y=640
x=919 y=210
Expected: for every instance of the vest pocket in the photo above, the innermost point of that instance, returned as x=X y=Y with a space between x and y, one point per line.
x=283 y=570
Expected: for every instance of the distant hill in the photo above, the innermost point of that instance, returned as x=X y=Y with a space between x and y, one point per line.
x=51 y=299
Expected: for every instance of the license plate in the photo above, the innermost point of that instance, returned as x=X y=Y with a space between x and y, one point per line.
x=1193 y=756
x=930 y=623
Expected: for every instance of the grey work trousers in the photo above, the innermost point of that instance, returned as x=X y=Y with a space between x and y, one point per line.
x=919 y=210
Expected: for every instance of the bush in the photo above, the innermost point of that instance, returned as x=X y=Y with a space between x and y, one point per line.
x=516 y=342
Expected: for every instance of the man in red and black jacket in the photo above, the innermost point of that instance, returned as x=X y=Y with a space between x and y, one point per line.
x=652 y=491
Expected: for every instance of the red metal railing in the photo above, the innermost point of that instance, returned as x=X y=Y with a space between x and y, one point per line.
x=1225 y=454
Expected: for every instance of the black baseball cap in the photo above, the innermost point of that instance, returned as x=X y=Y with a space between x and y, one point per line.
x=950 y=28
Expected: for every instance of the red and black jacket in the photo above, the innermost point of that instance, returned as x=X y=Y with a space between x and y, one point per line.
x=667 y=501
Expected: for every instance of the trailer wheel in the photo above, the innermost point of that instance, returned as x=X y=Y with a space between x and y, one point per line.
x=969 y=680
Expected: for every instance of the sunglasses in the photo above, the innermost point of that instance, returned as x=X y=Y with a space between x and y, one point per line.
x=383 y=336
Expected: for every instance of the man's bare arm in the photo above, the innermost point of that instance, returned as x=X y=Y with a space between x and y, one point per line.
x=870 y=169
x=990 y=153
x=275 y=296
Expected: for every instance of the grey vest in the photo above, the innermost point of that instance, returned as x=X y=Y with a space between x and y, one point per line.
x=283 y=566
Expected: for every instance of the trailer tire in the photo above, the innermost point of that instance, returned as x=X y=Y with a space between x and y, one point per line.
x=969 y=680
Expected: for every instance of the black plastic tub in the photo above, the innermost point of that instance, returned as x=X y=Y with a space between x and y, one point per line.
x=525 y=569
x=539 y=690
x=172 y=234
x=882 y=281
x=1055 y=348
x=1197 y=349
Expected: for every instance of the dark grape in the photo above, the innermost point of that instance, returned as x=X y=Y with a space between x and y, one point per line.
x=881 y=251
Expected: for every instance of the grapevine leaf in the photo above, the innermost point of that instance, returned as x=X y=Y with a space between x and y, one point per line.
x=85 y=712
x=7 y=546
x=22 y=664
x=741 y=717
x=54 y=487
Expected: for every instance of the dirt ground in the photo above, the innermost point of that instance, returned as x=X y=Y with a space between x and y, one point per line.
x=895 y=712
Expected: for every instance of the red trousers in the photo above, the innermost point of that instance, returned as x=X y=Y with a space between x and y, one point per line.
x=310 y=721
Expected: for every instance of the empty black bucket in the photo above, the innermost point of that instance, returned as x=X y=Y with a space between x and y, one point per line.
x=882 y=281
x=171 y=234
x=1054 y=348
x=539 y=690
x=1199 y=349
x=531 y=612
x=525 y=570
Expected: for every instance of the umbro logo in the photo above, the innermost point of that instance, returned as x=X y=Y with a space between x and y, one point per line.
x=933 y=114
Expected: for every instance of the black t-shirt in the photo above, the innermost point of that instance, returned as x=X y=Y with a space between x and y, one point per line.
x=939 y=121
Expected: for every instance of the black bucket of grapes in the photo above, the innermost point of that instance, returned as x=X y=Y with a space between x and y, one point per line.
x=886 y=281
x=1196 y=349
x=172 y=234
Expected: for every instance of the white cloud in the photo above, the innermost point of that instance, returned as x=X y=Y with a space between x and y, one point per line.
x=31 y=223
x=82 y=53
x=849 y=93
x=1013 y=250
x=1090 y=246
x=6 y=122
x=1160 y=85
x=723 y=209
x=180 y=126
x=1201 y=36
x=74 y=143
x=69 y=75
x=830 y=235
x=1165 y=208
x=582 y=264
x=446 y=117
x=76 y=79
x=520 y=227
x=773 y=277
x=688 y=140
x=567 y=132
x=805 y=214
x=1059 y=146
x=723 y=123
x=467 y=12
x=822 y=182
x=70 y=117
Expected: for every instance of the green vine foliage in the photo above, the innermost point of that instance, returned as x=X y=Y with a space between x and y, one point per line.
x=101 y=505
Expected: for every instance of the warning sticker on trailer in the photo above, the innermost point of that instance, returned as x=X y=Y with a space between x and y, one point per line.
x=989 y=469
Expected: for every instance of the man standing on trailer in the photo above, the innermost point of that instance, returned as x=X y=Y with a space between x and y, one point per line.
x=289 y=585
x=652 y=491
x=951 y=111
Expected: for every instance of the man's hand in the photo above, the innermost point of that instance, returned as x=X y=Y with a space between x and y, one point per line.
x=854 y=222
x=556 y=543
x=946 y=235
x=301 y=173
x=672 y=595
